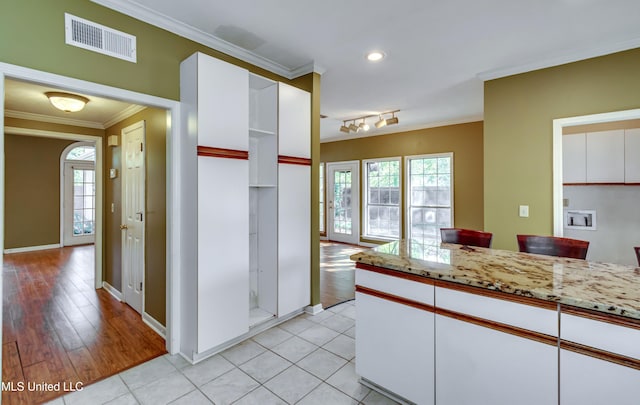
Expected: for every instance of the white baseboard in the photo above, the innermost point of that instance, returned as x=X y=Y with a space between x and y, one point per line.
x=155 y=325
x=112 y=290
x=314 y=309
x=32 y=248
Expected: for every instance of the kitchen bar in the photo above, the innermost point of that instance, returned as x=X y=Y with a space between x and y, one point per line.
x=451 y=324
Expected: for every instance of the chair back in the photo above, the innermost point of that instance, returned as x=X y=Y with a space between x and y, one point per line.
x=467 y=237
x=637 y=249
x=553 y=246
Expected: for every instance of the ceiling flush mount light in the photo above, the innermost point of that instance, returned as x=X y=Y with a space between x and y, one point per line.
x=375 y=56
x=364 y=126
x=67 y=102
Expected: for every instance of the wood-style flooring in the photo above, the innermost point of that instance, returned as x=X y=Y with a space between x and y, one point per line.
x=57 y=328
x=337 y=272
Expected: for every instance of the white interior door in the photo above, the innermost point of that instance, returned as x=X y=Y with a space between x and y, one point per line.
x=133 y=203
x=79 y=203
x=343 y=208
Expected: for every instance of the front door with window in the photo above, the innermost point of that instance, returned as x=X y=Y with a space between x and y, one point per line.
x=343 y=195
x=79 y=196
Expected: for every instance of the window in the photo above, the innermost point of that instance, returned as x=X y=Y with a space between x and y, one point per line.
x=382 y=198
x=80 y=173
x=321 y=197
x=429 y=195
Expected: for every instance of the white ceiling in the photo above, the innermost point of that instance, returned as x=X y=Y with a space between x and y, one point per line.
x=438 y=52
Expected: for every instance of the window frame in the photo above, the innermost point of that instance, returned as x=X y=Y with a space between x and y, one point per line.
x=322 y=198
x=407 y=190
x=365 y=199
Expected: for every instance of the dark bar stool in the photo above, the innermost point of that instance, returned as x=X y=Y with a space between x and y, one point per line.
x=637 y=249
x=553 y=246
x=466 y=237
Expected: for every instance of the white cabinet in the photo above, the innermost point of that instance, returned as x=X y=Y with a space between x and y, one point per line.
x=632 y=155
x=473 y=351
x=395 y=341
x=246 y=221
x=605 y=157
x=589 y=380
x=479 y=365
x=294 y=198
x=574 y=158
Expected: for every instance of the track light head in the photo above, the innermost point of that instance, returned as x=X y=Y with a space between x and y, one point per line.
x=353 y=127
x=344 y=128
x=392 y=120
x=381 y=123
x=363 y=125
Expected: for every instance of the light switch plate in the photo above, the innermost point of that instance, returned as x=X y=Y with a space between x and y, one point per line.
x=113 y=173
x=524 y=211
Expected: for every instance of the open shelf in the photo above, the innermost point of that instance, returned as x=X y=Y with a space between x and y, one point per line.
x=259 y=315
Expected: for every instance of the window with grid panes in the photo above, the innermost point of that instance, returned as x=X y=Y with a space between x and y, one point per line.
x=382 y=198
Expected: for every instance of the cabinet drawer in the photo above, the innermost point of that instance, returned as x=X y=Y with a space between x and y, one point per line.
x=605 y=336
x=523 y=316
x=412 y=290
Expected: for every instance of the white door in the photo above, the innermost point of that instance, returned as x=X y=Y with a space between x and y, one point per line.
x=343 y=207
x=133 y=203
x=79 y=203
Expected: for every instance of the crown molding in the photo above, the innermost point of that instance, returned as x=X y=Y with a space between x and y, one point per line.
x=152 y=17
x=124 y=114
x=560 y=59
x=52 y=120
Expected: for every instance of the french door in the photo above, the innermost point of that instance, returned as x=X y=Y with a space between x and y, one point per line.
x=343 y=208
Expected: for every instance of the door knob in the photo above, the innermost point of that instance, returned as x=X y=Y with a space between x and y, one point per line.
x=123 y=227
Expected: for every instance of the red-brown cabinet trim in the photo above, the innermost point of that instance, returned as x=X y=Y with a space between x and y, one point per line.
x=600 y=354
x=395 y=298
x=292 y=160
x=223 y=153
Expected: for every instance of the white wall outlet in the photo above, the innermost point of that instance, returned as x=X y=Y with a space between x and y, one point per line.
x=113 y=207
x=524 y=211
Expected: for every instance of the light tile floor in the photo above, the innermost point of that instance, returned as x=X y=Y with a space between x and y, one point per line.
x=307 y=360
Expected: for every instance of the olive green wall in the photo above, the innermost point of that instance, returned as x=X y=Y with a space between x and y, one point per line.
x=464 y=140
x=518 y=115
x=32 y=190
x=155 y=210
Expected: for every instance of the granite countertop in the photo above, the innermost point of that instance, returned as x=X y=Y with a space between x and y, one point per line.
x=604 y=287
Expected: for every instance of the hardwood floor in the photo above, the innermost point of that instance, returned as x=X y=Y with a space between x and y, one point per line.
x=57 y=328
x=337 y=272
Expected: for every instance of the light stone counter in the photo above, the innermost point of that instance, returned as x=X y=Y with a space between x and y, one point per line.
x=608 y=288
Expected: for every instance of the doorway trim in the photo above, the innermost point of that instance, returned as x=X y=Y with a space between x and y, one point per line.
x=356 y=209
x=173 y=192
x=558 y=125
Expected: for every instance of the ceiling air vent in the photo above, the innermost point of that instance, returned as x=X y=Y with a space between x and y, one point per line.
x=98 y=38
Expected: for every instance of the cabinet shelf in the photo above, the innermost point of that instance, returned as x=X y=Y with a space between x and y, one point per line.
x=255 y=132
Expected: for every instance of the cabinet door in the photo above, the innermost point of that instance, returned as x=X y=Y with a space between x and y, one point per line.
x=588 y=380
x=574 y=158
x=223 y=104
x=294 y=122
x=632 y=155
x=294 y=237
x=223 y=246
x=394 y=348
x=479 y=365
x=605 y=157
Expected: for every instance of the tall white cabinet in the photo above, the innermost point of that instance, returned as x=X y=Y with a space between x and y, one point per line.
x=245 y=206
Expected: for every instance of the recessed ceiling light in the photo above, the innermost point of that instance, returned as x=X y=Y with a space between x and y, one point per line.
x=375 y=56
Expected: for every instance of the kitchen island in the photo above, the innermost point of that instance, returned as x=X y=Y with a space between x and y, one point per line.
x=451 y=324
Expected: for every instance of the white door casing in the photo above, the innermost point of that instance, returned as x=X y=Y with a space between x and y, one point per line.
x=343 y=192
x=133 y=215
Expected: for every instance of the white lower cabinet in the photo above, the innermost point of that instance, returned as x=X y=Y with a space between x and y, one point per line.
x=586 y=380
x=479 y=365
x=394 y=347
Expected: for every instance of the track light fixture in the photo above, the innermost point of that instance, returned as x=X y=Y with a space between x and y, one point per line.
x=344 y=127
x=364 y=126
